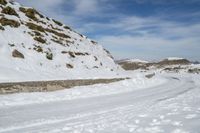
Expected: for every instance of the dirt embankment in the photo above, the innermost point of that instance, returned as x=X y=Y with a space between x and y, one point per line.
x=45 y=86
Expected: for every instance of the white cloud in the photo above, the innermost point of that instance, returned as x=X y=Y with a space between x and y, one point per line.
x=147 y=47
x=157 y=38
x=86 y=6
x=43 y=5
x=151 y=26
x=164 y=2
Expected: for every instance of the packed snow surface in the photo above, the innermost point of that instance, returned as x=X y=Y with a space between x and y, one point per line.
x=167 y=103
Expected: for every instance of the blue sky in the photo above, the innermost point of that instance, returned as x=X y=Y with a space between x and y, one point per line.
x=145 y=29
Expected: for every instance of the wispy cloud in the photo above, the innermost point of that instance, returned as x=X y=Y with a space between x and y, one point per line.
x=86 y=6
x=43 y=5
x=161 y=2
x=148 y=37
x=147 y=47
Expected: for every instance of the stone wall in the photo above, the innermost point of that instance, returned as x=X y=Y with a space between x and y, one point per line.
x=45 y=86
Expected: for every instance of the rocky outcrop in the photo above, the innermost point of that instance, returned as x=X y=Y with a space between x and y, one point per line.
x=17 y=54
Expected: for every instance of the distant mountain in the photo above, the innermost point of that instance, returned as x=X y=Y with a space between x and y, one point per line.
x=35 y=47
x=134 y=64
x=174 y=61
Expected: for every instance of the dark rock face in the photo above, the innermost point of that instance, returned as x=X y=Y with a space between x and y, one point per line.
x=10 y=11
x=10 y=22
x=2 y=28
x=69 y=66
x=150 y=75
x=173 y=69
x=49 y=56
x=40 y=39
x=31 y=13
x=3 y=2
x=194 y=71
x=17 y=54
x=108 y=52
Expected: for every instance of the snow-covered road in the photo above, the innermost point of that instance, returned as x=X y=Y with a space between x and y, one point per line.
x=172 y=105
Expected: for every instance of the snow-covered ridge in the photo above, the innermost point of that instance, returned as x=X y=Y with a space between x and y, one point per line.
x=35 y=47
x=174 y=58
x=136 y=61
x=132 y=61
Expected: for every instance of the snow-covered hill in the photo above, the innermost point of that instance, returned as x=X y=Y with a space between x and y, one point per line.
x=35 y=47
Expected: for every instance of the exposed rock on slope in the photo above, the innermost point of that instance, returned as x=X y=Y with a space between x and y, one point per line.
x=51 y=50
x=17 y=54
